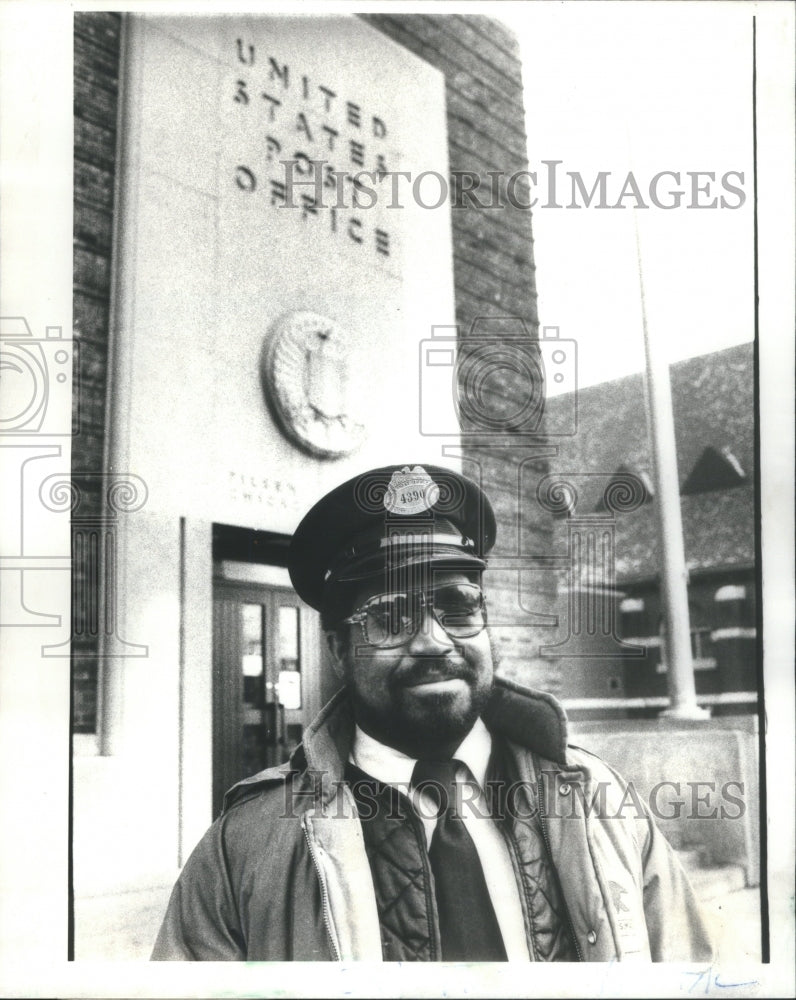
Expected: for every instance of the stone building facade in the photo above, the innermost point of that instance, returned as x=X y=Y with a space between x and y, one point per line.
x=180 y=570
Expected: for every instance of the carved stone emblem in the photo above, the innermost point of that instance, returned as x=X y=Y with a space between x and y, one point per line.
x=307 y=378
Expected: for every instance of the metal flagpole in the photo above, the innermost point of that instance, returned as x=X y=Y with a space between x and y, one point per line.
x=674 y=576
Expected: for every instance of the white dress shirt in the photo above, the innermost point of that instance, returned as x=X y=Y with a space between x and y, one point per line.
x=392 y=767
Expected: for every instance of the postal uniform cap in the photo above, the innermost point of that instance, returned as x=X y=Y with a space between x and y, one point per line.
x=395 y=514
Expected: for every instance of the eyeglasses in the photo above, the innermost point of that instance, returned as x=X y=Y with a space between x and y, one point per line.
x=390 y=620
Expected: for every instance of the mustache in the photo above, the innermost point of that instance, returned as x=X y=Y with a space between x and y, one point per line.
x=441 y=668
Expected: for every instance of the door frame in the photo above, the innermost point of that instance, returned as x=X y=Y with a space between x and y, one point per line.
x=239 y=581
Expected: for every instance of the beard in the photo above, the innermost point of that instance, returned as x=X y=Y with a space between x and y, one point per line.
x=419 y=725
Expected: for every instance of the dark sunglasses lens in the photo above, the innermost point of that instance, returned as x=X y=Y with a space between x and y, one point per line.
x=388 y=619
x=460 y=609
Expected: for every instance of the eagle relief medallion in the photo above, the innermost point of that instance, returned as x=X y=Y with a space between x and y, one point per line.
x=306 y=370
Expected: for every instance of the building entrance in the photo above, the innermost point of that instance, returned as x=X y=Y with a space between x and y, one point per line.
x=270 y=670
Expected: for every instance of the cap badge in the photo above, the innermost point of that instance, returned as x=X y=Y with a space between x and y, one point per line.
x=410 y=491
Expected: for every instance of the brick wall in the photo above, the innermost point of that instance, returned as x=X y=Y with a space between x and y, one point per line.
x=96 y=41
x=493 y=274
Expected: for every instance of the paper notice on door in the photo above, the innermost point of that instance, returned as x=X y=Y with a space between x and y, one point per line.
x=290 y=688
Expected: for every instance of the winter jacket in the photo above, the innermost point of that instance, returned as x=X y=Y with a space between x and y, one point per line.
x=283 y=873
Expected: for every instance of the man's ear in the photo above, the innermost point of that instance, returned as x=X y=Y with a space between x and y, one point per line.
x=337 y=646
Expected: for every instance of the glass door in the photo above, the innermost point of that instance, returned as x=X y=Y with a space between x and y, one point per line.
x=267 y=679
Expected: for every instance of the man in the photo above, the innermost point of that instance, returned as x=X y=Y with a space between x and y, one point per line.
x=433 y=811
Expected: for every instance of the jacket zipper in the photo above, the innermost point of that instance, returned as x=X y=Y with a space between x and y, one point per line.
x=431 y=901
x=546 y=839
x=324 y=894
x=515 y=863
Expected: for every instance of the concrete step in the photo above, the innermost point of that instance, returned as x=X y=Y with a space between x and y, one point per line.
x=717 y=881
x=710 y=881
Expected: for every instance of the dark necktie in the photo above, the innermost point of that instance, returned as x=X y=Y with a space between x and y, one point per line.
x=468 y=926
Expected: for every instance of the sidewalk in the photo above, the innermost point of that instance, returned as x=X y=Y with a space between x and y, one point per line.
x=732 y=910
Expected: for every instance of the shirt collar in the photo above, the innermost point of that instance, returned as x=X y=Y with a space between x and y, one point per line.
x=392 y=767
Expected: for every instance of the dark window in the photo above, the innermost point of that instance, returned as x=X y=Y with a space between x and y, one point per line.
x=716 y=469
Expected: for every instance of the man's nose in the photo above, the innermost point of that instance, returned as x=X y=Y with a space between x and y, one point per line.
x=430 y=637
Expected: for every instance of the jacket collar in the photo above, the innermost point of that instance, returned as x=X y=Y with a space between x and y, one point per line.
x=533 y=719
